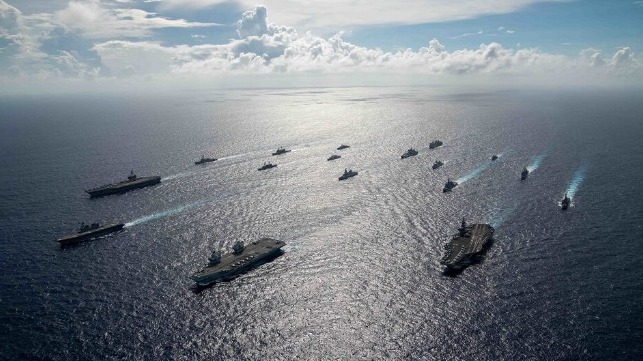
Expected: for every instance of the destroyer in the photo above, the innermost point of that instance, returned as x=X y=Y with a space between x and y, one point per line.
x=132 y=182
x=267 y=166
x=334 y=156
x=87 y=232
x=434 y=144
x=469 y=241
x=409 y=153
x=449 y=185
x=524 y=174
x=281 y=150
x=564 y=204
x=437 y=164
x=347 y=174
x=242 y=258
x=205 y=160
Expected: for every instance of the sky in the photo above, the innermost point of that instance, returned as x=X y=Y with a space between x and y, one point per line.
x=79 y=42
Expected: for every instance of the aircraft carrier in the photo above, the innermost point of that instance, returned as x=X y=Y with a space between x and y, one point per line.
x=470 y=241
x=243 y=258
x=132 y=182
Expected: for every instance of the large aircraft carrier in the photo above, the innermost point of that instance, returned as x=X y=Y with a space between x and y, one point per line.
x=230 y=265
x=469 y=241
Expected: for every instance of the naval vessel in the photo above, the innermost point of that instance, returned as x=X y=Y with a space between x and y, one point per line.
x=434 y=144
x=565 y=202
x=281 y=150
x=347 y=174
x=132 y=182
x=409 y=153
x=267 y=166
x=469 y=241
x=242 y=258
x=205 y=160
x=449 y=185
x=524 y=174
x=87 y=232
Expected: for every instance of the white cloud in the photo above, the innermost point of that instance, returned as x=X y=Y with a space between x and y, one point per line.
x=96 y=21
x=267 y=48
x=340 y=14
x=38 y=44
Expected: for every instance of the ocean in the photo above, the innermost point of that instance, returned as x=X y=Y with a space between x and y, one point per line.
x=360 y=277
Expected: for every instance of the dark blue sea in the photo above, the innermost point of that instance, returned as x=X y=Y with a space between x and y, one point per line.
x=360 y=277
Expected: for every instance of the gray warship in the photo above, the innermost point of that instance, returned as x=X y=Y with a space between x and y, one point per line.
x=348 y=173
x=242 y=258
x=281 y=150
x=132 y=182
x=204 y=160
x=436 y=143
x=409 y=153
x=564 y=204
x=468 y=242
x=449 y=185
x=87 y=232
x=524 y=173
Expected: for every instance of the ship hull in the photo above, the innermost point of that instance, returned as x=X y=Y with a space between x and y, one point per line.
x=86 y=236
x=204 y=161
x=123 y=187
x=261 y=252
x=346 y=177
x=461 y=251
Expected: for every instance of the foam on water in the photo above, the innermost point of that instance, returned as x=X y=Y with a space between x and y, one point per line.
x=536 y=162
x=174 y=211
x=502 y=214
x=577 y=180
x=474 y=172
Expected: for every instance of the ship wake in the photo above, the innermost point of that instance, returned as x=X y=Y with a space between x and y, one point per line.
x=536 y=162
x=174 y=211
x=579 y=176
x=474 y=172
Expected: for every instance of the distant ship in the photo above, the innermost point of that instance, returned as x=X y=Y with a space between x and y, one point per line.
x=205 y=160
x=132 y=182
x=494 y=157
x=281 y=150
x=434 y=144
x=565 y=202
x=409 y=153
x=242 y=258
x=470 y=240
x=267 y=166
x=449 y=185
x=343 y=146
x=437 y=164
x=347 y=174
x=334 y=156
x=524 y=174
x=87 y=232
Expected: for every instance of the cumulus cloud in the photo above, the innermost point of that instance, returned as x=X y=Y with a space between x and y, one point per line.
x=65 y=46
x=263 y=47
